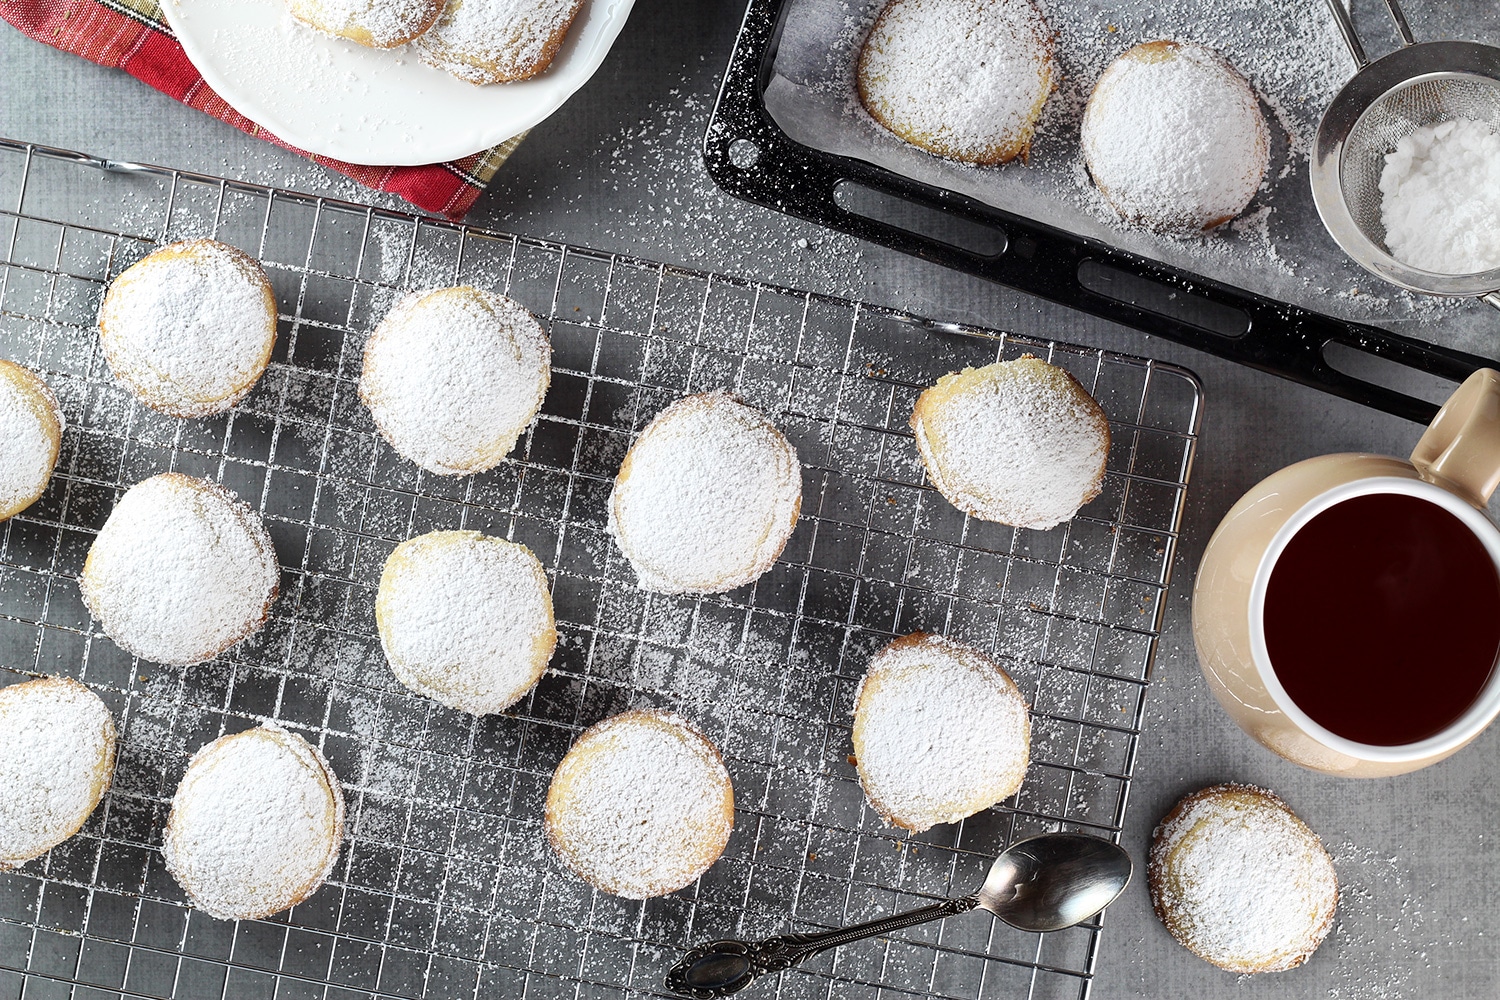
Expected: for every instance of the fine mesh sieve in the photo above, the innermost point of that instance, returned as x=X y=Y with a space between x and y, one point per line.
x=1386 y=101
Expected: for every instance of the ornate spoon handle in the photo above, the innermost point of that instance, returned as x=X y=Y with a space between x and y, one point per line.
x=723 y=968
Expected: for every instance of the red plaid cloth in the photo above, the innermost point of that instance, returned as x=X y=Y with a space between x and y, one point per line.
x=132 y=35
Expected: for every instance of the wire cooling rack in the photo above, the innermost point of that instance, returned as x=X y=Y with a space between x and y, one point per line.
x=445 y=887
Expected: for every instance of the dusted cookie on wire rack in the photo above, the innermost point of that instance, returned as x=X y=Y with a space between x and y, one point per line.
x=256 y=824
x=181 y=570
x=940 y=732
x=57 y=756
x=31 y=426
x=454 y=376
x=466 y=619
x=189 y=328
x=1240 y=881
x=641 y=805
x=498 y=41
x=1019 y=442
x=707 y=496
x=375 y=24
x=1174 y=138
x=965 y=79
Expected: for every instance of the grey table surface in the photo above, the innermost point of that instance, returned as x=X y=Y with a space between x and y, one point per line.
x=618 y=169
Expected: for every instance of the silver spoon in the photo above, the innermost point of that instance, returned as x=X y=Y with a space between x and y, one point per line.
x=1043 y=883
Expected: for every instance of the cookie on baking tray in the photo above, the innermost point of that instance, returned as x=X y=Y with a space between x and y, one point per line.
x=965 y=79
x=1174 y=138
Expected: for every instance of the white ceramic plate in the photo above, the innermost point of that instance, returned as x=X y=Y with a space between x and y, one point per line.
x=372 y=106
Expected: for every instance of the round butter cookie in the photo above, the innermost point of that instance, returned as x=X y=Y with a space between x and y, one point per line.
x=454 y=376
x=495 y=41
x=466 y=619
x=57 y=755
x=189 y=329
x=1240 y=881
x=641 y=805
x=965 y=79
x=1019 y=442
x=375 y=24
x=256 y=824
x=1174 y=138
x=181 y=571
x=31 y=425
x=707 y=496
x=940 y=732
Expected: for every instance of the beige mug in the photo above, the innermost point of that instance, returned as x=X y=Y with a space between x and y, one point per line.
x=1455 y=465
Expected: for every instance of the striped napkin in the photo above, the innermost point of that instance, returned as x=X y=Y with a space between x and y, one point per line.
x=134 y=36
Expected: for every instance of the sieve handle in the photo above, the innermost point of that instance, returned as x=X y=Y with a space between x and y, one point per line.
x=1399 y=16
x=1351 y=37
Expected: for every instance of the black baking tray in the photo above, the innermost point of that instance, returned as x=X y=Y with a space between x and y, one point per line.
x=751 y=157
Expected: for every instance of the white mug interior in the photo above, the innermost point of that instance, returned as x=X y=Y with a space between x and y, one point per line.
x=1468 y=725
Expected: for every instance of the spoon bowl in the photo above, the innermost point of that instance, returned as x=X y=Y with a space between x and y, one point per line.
x=1054 y=881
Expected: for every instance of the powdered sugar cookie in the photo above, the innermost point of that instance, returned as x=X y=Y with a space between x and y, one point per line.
x=376 y=24
x=1240 y=881
x=940 y=732
x=189 y=328
x=707 y=497
x=57 y=755
x=1019 y=442
x=494 y=41
x=256 y=824
x=1174 y=138
x=466 y=619
x=965 y=79
x=181 y=570
x=641 y=805
x=31 y=426
x=454 y=376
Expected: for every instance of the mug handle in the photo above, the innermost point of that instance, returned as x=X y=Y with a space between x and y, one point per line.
x=1460 y=449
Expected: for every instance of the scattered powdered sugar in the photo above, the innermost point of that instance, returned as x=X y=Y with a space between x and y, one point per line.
x=30 y=426
x=57 y=751
x=190 y=327
x=466 y=619
x=1441 y=204
x=1174 y=137
x=256 y=824
x=641 y=805
x=1019 y=442
x=180 y=571
x=707 y=496
x=1241 y=881
x=454 y=376
x=940 y=732
x=381 y=23
x=964 y=78
x=491 y=41
x=1384 y=931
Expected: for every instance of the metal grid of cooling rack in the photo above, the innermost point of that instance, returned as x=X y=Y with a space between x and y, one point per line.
x=445 y=888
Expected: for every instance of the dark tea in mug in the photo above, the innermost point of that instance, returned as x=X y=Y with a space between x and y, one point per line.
x=1382 y=618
